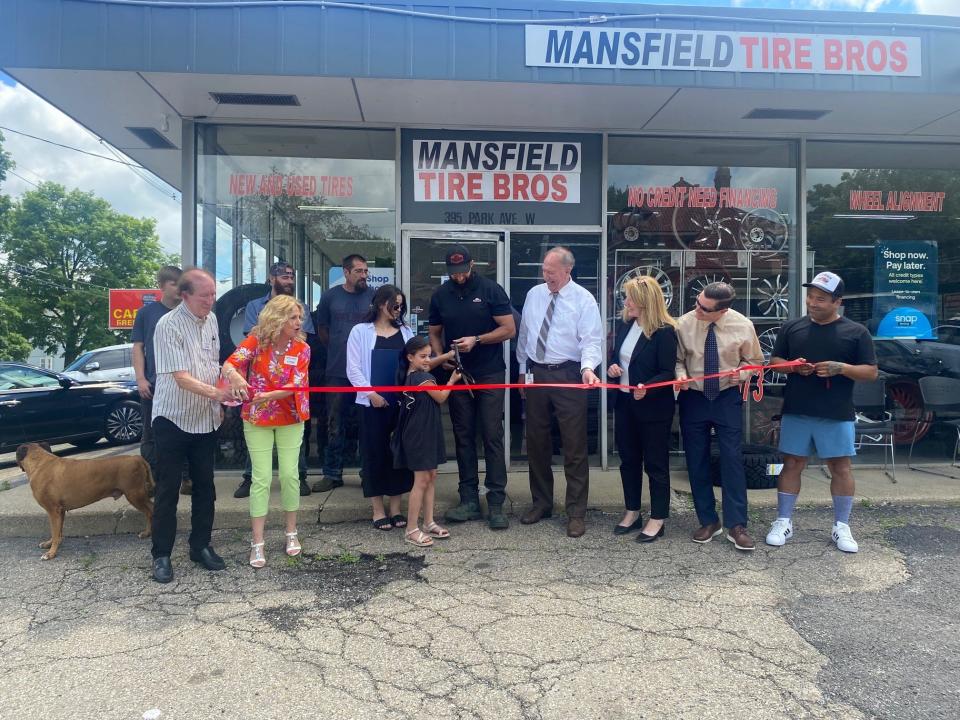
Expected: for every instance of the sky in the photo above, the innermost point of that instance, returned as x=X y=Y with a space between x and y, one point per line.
x=139 y=193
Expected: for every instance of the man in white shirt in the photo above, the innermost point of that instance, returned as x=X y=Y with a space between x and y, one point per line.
x=559 y=342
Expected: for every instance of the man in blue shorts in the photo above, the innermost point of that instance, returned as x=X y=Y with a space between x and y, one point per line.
x=818 y=411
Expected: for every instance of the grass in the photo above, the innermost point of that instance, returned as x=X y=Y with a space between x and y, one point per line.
x=86 y=562
x=5 y=485
x=348 y=558
x=380 y=558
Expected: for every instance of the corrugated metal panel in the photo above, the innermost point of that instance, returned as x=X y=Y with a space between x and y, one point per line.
x=364 y=43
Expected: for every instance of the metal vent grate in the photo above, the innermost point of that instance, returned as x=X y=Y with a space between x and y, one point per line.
x=254 y=99
x=152 y=138
x=784 y=114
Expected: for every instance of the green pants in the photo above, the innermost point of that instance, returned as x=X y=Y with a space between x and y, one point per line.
x=260 y=440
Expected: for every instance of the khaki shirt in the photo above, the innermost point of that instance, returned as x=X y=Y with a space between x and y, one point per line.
x=737 y=345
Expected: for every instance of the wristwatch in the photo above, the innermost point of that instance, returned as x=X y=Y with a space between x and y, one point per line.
x=477 y=340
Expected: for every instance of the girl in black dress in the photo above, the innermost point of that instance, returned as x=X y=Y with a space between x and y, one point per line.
x=418 y=439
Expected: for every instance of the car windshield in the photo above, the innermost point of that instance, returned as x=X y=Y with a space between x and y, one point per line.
x=79 y=362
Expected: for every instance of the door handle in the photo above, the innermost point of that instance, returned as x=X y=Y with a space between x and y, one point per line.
x=9 y=403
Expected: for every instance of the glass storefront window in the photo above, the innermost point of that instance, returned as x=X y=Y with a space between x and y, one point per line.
x=868 y=204
x=691 y=211
x=307 y=196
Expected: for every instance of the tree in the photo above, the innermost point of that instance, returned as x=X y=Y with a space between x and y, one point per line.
x=62 y=250
x=13 y=345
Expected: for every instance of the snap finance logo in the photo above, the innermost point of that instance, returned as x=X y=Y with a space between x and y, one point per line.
x=712 y=51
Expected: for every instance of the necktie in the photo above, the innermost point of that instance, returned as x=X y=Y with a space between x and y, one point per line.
x=545 y=328
x=711 y=364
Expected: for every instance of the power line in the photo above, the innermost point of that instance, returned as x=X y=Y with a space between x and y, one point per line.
x=11 y=172
x=70 y=147
x=143 y=177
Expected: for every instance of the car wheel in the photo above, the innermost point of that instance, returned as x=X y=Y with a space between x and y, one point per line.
x=230 y=311
x=124 y=423
x=907 y=406
x=86 y=443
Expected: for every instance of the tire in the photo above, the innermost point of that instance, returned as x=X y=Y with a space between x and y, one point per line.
x=757 y=461
x=86 y=443
x=229 y=311
x=124 y=423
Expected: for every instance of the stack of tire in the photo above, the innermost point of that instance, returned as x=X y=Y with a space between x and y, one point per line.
x=761 y=465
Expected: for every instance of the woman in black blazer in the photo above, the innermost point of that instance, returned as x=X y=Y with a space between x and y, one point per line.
x=645 y=352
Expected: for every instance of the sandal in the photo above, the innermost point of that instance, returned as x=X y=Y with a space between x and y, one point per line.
x=399 y=521
x=293 y=544
x=421 y=539
x=435 y=531
x=257 y=558
x=383 y=523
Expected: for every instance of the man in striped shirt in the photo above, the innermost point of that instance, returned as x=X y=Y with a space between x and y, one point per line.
x=186 y=415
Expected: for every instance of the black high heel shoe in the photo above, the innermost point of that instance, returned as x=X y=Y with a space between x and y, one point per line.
x=644 y=538
x=624 y=529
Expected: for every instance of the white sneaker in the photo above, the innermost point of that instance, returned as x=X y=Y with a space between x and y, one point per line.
x=780 y=531
x=843 y=538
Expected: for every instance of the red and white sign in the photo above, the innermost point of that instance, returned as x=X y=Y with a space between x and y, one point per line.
x=719 y=51
x=124 y=305
x=275 y=185
x=898 y=200
x=496 y=171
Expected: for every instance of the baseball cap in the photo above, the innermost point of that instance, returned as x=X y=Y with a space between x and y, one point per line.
x=828 y=282
x=458 y=259
x=282 y=268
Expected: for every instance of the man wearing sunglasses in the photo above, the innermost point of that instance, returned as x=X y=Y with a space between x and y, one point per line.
x=714 y=338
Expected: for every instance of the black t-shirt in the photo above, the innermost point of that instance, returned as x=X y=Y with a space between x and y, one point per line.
x=842 y=341
x=144 y=325
x=467 y=310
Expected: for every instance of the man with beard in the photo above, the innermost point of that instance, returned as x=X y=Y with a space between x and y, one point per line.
x=283 y=281
x=340 y=308
x=473 y=315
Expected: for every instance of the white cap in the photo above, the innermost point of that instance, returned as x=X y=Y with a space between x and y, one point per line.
x=828 y=282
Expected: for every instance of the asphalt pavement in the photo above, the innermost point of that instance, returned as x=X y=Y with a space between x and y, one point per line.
x=525 y=623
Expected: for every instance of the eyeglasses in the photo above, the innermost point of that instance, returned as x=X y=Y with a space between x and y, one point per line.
x=706 y=309
x=397 y=307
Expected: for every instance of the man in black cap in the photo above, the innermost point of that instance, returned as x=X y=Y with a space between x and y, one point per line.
x=473 y=314
x=283 y=281
x=818 y=412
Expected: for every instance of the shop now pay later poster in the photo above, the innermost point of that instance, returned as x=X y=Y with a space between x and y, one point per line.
x=905 y=290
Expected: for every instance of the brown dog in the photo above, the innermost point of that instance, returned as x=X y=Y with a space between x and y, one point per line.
x=59 y=484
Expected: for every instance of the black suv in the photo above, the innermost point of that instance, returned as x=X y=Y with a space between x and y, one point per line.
x=37 y=404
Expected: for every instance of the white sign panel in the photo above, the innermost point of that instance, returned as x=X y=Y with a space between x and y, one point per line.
x=496 y=170
x=376 y=277
x=662 y=49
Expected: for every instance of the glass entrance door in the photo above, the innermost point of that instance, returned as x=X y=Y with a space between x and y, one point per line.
x=423 y=270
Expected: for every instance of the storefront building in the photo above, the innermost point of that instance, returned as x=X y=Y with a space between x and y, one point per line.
x=693 y=145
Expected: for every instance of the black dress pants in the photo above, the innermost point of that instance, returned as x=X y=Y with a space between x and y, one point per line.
x=643 y=444
x=483 y=411
x=569 y=407
x=174 y=448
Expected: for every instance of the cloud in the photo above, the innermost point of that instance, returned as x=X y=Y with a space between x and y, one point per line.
x=850 y=5
x=21 y=110
x=938 y=7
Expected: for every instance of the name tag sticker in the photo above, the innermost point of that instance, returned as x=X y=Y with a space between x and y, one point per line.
x=289 y=359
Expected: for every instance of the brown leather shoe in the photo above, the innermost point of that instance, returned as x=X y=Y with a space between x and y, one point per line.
x=740 y=538
x=186 y=486
x=575 y=527
x=707 y=533
x=534 y=515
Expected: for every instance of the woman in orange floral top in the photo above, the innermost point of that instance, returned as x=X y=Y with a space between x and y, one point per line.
x=273 y=355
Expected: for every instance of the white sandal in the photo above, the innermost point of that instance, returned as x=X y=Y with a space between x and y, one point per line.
x=257 y=558
x=293 y=544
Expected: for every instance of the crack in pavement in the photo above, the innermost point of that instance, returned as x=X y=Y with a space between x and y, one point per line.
x=521 y=624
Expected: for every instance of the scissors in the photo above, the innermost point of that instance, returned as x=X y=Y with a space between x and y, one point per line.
x=458 y=366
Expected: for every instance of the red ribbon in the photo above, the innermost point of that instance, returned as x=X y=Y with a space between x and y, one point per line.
x=757 y=393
